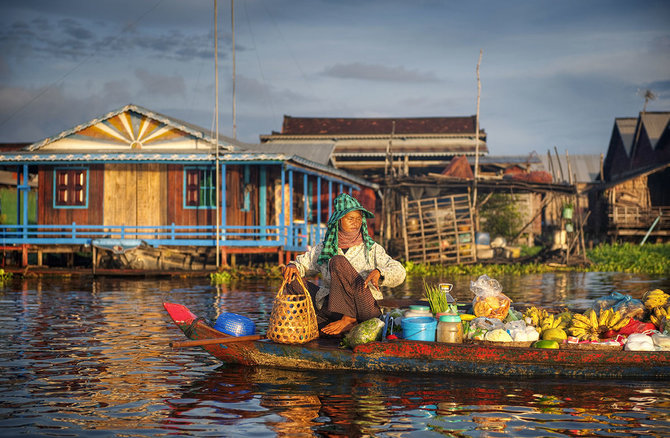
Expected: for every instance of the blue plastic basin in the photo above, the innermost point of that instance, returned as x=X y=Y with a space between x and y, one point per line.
x=235 y=325
x=419 y=328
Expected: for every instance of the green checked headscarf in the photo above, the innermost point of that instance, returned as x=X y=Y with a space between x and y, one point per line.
x=343 y=205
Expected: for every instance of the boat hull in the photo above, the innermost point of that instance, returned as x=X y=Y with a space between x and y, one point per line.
x=401 y=356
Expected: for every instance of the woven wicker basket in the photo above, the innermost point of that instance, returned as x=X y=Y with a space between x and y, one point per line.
x=293 y=319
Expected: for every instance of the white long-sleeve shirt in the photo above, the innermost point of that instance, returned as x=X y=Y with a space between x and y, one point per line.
x=392 y=272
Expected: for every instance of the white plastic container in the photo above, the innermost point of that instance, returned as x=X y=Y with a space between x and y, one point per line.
x=418 y=310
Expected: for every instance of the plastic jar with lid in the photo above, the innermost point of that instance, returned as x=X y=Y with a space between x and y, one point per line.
x=449 y=329
x=418 y=310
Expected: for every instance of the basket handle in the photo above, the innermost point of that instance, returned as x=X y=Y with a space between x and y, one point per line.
x=285 y=282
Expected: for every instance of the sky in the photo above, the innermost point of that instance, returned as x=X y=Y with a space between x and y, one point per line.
x=553 y=74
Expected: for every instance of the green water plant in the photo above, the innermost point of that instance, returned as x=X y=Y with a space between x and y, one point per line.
x=221 y=277
x=5 y=277
x=628 y=257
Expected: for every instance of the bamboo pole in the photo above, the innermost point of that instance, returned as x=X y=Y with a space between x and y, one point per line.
x=560 y=166
x=476 y=173
x=216 y=137
x=226 y=340
x=403 y=212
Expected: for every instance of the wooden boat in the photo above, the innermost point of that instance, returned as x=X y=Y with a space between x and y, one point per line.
x=403 y=356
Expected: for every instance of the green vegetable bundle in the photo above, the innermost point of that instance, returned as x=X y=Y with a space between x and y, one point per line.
x=436 y=298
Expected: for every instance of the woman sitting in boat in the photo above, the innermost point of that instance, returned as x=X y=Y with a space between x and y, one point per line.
x=352 y=268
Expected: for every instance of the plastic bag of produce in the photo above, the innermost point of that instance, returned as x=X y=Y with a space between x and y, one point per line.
x=367 y=331
x=661 y=341
x=630 y=307
x=513 y=315
x=485 y=323
x=489 y=300
x=635 y=326
x=607 y=302
x=498 y=335
x=639 y=342
x=515 y=325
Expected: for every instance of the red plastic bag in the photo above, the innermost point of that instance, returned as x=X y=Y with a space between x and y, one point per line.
x=635 y=326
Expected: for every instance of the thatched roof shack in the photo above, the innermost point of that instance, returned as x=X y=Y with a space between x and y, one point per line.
x=633 y=201
x=431 y=217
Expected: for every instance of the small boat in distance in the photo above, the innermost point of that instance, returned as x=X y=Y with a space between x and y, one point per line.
x=405 y=356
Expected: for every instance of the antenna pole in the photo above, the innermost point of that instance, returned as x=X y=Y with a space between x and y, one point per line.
x=216 y=136
x=232 y=20
x=476 y=173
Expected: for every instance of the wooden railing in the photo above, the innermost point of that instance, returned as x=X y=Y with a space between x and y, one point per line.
x=296 y=237
x=637 y=217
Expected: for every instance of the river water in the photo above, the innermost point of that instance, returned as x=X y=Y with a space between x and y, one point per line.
x=91 y=357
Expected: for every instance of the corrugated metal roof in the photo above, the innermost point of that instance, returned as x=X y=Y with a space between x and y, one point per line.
x=316 y=152
x=626 y=127
x=655 y=124
x=375 y=126
x=586 y=168
x=530 y=162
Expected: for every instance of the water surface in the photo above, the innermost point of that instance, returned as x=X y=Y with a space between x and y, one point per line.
x=90 y=357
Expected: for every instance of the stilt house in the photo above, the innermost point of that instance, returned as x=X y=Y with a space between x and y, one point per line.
x=633 y=202
x=134 y=180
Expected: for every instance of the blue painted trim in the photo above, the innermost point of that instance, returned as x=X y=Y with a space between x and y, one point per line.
x=24 y=195
x=318 y=203
x=291 y=227
x=262 y=198
x=282 y=217
x=246 y=206
x=174 y=235
x=306 y=203
x=224 y=217
x=70 y=207
x=330 y=199
x=18 y=198
x=313 y=173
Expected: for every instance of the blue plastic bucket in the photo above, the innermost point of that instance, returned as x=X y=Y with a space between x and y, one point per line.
x=235 y=325
x=482 y=238
x=419 y=328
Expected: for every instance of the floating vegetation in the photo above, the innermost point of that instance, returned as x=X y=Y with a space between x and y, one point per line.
x=4 y=277
x=221 y=277
x=626 y=257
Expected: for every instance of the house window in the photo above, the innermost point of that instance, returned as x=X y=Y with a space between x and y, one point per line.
x=199 y=187
x=71 y=188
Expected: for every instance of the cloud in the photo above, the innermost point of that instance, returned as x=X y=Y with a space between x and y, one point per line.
x=57 y=111
x=157 y=84
x=372 y=72
x=75 y=30
x=5 y=71
x=76 y=39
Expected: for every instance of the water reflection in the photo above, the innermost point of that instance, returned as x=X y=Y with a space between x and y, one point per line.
x=82 y=356
x=351 y=404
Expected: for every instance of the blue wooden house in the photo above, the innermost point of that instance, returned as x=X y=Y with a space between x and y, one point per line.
x=135 y=179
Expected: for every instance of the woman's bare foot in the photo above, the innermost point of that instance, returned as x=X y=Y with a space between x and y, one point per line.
x=341 y=326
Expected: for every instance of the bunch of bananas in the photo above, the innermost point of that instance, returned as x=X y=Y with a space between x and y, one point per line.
x=589 y=326
x=534 y=316
x=550 y=321
x=659 y=316
x=655 y=298
x=566 y=317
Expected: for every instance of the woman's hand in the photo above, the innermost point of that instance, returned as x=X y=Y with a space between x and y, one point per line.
x=373 y=277
x=291 y=273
